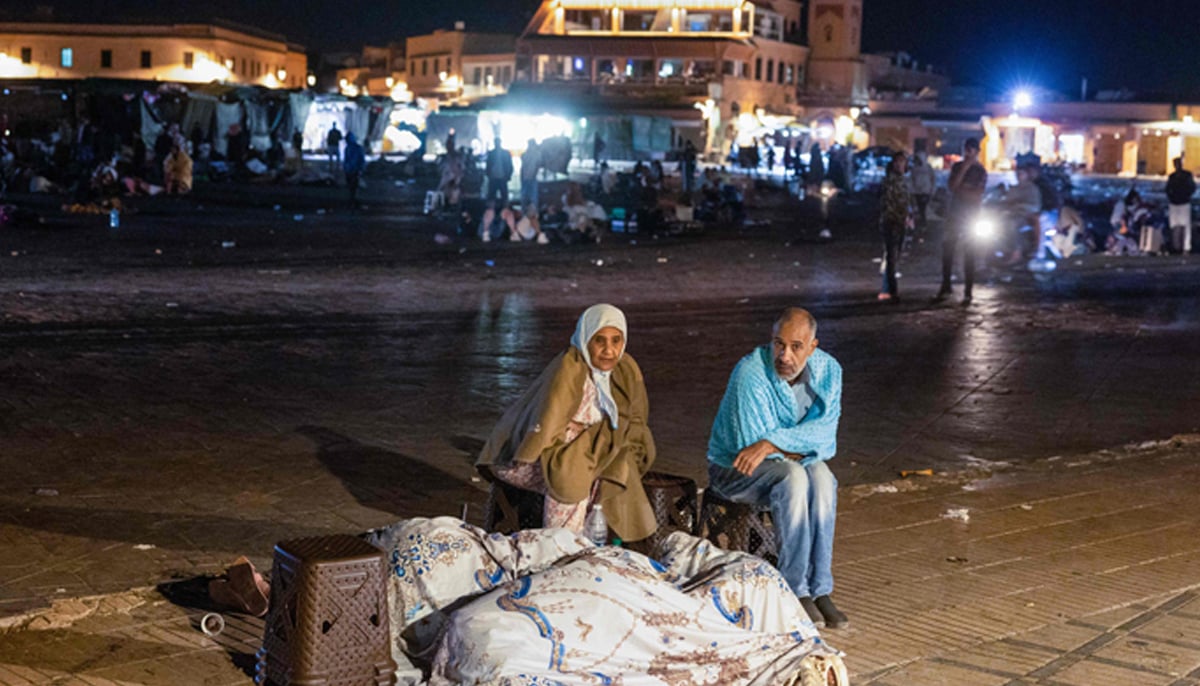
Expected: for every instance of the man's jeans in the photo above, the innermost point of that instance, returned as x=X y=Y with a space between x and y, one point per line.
x=803 y=503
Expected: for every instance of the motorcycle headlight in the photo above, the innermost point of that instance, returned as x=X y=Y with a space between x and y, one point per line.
x=984 y=228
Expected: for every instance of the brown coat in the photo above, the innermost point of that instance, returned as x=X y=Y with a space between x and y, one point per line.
x=533 y=430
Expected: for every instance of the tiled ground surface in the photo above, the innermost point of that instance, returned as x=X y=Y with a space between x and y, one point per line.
x=1081 y=571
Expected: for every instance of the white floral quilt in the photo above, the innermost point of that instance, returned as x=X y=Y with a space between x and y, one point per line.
x=546 y=607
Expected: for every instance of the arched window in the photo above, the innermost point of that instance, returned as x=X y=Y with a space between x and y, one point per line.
x=829 y=33
x=770 y=70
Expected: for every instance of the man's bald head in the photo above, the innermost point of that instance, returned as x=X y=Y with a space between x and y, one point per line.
x=794 y=338
x=798 y=316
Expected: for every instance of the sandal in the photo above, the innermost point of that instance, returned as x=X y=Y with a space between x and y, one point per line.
x=242 y=589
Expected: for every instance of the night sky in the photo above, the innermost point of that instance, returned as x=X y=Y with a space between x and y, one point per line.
x=1049 y=43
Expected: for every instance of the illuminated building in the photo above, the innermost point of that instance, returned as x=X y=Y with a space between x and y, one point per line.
x=1124 y=137
x=443 y=67
x=723 y=71
x=694 y=61
x=184 y=53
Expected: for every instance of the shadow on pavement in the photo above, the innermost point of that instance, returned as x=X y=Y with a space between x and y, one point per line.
x=242 y=634
x=170 y=530
x=469 y=445
x=389 y=481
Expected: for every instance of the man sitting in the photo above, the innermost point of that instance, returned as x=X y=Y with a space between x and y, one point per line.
x=776 y=427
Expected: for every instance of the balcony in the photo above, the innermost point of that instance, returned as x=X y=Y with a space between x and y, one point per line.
x=631 y=87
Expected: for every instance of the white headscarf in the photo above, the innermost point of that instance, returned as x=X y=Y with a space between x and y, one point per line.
x=592 y=320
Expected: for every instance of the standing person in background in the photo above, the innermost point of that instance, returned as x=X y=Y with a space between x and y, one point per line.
x=531 y=162
x=968 y=179
x=894 y=216
x=1181 y=186
x=597 y=149
x=197 y=137
x=333 y=143
x=923 y=183
x=688 y=167
x=139 y=156
x=499 y=170
x=353 y=165
x=816 y=169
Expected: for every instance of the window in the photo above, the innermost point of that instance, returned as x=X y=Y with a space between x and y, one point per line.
x=779 y=75
x=424 y=67
x=67 y=58
x=449 y=63
x=145 y=59
x=770 y=70
x=435 y=65
x=244 y=69
x=478 y=78
x=26 y=55
x=507 y=78
x=106 y=59
x=758 y=69
x=189 y=60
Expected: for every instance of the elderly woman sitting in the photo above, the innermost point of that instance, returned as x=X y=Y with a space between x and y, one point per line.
x=579 y=434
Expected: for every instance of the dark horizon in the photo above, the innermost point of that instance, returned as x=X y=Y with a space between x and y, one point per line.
x=1052 y=45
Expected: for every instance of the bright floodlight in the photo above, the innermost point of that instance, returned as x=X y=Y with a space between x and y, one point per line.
x=984 y=228
x=1022 y=100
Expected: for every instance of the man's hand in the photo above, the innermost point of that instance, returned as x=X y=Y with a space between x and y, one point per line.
x=752 y=455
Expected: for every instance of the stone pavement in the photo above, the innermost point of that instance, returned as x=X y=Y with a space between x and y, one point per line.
x=1075 y=570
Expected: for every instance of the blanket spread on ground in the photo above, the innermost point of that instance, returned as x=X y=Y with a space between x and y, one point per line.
x=547 y=607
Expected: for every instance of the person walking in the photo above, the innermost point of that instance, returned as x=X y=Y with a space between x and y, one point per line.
x=353 y=164
x=894 y=216
x=923 y=183
x=1181 y=186
x=967 y=181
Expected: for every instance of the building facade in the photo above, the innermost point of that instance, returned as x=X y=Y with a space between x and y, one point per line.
x=185 y=53
x=710 y=60
x=443 y=67
x=460 y=65
x=1104 y=137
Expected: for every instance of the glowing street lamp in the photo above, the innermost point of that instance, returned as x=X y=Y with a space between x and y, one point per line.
x=1022 y=100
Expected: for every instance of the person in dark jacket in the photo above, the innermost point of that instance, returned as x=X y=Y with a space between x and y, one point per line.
x=816 y=169
x=894 y=213
x=353 y=162
x=499 y=170
x=1181 y=186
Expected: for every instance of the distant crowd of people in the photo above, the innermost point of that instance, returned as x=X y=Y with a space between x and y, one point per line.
x=93 y=166
x=1029 y=223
